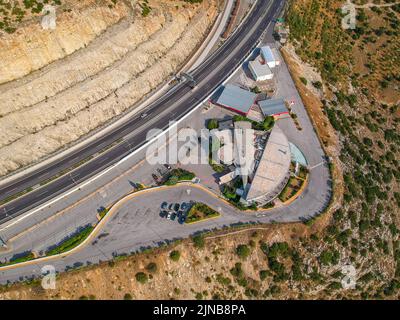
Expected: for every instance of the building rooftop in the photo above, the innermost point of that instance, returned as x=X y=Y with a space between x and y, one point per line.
x=267 y=53
x=270 y=107
x=235 y=98
x=261 y=70
x=273 y=167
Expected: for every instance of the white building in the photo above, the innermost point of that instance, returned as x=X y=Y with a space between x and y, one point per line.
x=260 y=72
x=268 y=56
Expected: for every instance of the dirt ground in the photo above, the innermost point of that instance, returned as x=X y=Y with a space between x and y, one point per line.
x=183 y=279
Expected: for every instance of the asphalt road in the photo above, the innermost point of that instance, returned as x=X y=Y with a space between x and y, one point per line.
x=172 y=106
x=137 y=225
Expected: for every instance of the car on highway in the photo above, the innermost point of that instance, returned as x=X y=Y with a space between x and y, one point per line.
x=167 y=166
x=143 y=115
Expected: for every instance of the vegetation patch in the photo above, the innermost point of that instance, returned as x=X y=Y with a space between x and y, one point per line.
x=71 y=242
x=145 y=8
x=177 y=175
x=264 y=125
x=200 y=211
x=290 y=190
x=19 y=258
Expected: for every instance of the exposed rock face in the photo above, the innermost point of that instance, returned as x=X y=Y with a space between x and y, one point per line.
x=57 y=105
x=31 y=48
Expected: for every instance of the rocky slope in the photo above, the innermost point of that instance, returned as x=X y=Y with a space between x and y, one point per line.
x=116 y=62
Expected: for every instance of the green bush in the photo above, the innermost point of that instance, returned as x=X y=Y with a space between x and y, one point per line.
x=198 y=241
x=212 y=124
x=264 y=274
x=141 y=277
x=175 y=255
x=71 y=242
x=179 y=175
x=242 y=251
x=127 y=296
x=151 y=267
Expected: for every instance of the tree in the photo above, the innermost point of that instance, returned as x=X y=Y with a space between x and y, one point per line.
x=198 y=241
x=263 y=274
x=212 y=124
x=141 y=277
x=303 y=80
x=242 y=251
x=175 y=255
x=317 y=84
x=152 y=267
x=268 y=123
x=127 y=296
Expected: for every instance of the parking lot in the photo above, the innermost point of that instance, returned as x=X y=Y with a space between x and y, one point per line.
x=175 y=211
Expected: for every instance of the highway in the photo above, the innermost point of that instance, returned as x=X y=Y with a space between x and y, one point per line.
x=132 y=134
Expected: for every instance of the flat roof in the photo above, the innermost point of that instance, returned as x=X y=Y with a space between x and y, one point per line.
x=267 y=54
x=260 y=69
x=234 y=97
x=273 y=167
x=270 y=107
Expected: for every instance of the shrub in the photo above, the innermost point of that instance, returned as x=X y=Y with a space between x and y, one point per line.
x=263 y=274
x=317 y=84
x=212 y=124
x=242 y=251
x=152 y=267
x=141 y=277
x=303 y=80
x=237 y=271
x=175 y=255
x=127 y=296
x=198 y=241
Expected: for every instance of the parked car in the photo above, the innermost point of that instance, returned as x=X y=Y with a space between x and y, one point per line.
x=169 y=216
x=173 y=216
x=182 y=219
x=163 y=213
x=184 y=206
x=171 y=205
x=164 y=205
x=176 y=206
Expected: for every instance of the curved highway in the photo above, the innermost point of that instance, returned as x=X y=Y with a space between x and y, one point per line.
x=172 y=106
